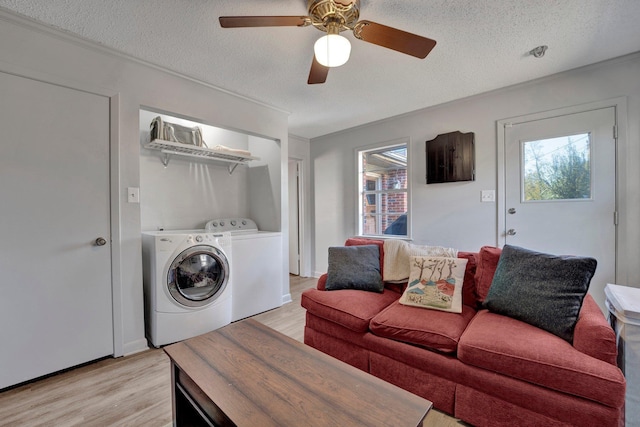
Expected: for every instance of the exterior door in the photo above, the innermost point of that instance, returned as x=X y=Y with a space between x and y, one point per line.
x=55 y=260
x=560 y=188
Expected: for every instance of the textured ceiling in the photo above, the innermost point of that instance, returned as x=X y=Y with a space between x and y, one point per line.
x=482 y=45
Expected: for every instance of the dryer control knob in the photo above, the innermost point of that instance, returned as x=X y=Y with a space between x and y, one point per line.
x=198 y=238
x=244 y=222
x=221 y=223
x=233 y=222
x=214 y=223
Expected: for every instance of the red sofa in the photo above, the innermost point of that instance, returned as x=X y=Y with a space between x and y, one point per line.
x=483 y=368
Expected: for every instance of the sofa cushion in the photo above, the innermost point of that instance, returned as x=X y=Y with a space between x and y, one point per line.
x=436 y=330
x=354 y=267
x=435 y=283
x=488 y=258
x=350 y=308
x=510 y=347
x=469 y=295
x=541 y=289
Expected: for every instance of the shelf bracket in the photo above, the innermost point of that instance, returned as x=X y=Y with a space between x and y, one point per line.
x=165 y=159
x=232 y=168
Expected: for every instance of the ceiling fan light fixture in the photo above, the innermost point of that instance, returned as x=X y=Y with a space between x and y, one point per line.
x=332 y=50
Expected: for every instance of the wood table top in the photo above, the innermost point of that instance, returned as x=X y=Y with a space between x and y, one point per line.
x=259 y=377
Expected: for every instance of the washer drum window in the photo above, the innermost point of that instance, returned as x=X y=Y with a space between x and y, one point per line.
x=198 y=276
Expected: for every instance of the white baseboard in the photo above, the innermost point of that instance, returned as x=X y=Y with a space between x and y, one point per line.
x=135 y=347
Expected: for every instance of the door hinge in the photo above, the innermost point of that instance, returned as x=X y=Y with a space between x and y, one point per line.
x=615 y=218
x=615 y=132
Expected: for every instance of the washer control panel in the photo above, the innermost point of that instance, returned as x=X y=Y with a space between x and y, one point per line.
x=231 y=224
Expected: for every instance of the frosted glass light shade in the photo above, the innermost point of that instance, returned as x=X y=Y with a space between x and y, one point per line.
x=332 y=50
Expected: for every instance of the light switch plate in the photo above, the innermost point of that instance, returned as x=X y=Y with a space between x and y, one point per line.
x=133 y=195
x=488 y=196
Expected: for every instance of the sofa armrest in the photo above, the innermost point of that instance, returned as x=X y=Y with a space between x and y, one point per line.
x=593 y=335
x=322 y=280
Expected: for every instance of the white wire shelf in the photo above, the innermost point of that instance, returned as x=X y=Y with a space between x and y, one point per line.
x=169 y=148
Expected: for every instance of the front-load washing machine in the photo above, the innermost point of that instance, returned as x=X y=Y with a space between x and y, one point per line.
x=187 y=283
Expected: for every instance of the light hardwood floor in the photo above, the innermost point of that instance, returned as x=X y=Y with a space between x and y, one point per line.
x=133 y=390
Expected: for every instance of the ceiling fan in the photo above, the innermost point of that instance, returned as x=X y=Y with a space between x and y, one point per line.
x=332 y=17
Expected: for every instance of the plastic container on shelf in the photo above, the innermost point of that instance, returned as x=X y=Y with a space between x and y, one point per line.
x=623 y=304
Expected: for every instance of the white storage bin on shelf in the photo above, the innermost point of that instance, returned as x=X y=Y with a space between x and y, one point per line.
x=168 y=148
x=623 y=303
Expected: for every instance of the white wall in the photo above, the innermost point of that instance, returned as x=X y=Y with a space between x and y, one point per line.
x=452 y=214
x=38 y=52
x=187 y=193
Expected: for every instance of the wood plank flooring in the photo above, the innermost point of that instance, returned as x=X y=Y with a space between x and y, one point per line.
x=133 y=390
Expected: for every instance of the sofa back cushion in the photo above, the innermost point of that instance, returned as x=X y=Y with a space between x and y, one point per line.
x=470 y=296
x=469 y=288
x=488 y=258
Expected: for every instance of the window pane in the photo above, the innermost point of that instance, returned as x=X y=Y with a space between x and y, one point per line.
x=370 y=224
x=383 y=192
x=557 y=168
x=390 y=165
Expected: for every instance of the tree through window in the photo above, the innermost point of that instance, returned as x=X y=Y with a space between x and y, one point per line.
x=557 y=168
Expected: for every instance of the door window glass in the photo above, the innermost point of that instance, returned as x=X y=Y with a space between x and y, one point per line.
x=557 y=168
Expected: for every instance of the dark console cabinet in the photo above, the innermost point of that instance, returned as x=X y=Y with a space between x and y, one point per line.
x=451 y=157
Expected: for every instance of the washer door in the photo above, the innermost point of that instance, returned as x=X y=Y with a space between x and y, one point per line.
x=198 y=276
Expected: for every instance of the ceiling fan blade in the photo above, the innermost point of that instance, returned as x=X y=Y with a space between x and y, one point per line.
x=262 y=21
x=392 y=38
x=318 y=73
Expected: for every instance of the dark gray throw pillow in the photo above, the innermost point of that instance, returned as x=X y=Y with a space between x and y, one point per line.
x=541 y=289
x=354 y=267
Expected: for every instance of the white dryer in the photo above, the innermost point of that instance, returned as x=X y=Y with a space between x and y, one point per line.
x=187 y=283
x=257 y=270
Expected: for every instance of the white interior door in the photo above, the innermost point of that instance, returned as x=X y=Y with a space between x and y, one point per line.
x=294 y=218
x=55 y=282
x=560 y=188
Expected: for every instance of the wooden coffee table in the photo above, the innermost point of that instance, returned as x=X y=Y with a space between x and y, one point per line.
x=246 y=374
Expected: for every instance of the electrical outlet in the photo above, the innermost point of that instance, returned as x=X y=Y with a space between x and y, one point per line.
x=488 y=196
x=133 y=195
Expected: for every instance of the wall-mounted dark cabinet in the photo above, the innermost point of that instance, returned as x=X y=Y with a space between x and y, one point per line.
x=451 y=157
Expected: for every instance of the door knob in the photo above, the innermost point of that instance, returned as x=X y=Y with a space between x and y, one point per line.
x=100 y=241
x=511 y=232
x=512 y=210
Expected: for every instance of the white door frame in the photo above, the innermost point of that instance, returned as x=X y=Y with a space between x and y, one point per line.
x=620 y=106
x=301 y=215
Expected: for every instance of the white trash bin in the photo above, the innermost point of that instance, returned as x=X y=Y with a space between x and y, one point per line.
x=623 y=303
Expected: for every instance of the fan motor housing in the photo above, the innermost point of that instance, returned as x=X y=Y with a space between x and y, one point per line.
x=341 y=13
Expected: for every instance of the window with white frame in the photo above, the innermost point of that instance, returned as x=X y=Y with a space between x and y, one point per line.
x=383 y=191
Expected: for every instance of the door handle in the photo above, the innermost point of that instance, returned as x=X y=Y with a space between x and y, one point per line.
x=512 y=210
x=101 y=241
x=511 y=232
